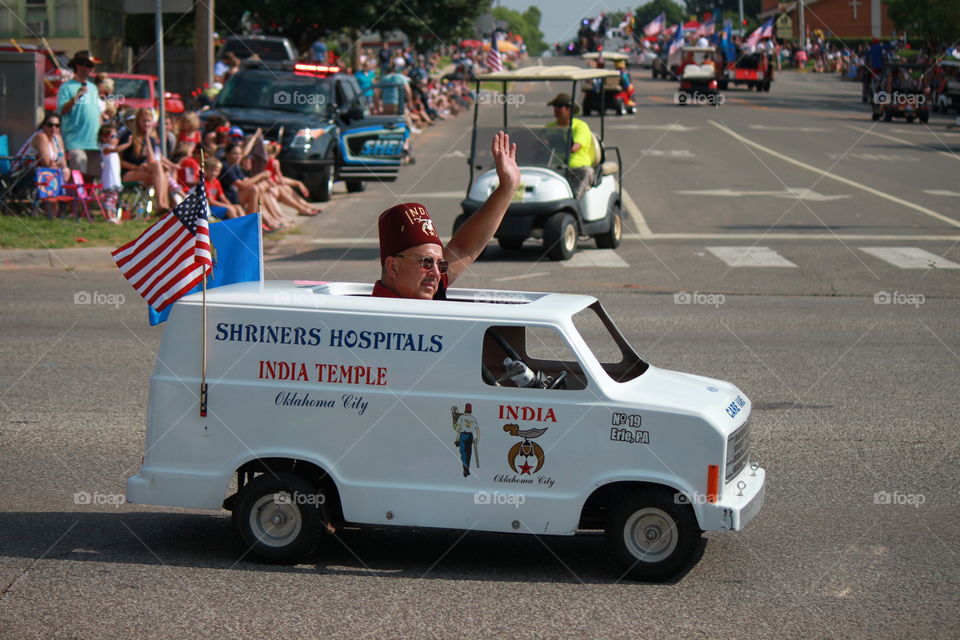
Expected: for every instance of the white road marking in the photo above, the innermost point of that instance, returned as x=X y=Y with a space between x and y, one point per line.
x=437 y=194
x=910 y=258
x=764 y=127
x=522 y=277
x=942 y=192
x=883 y=157
x=679 y=128
x=792 y=237
x=672 y=153
x=456 y=153
x=643 y=231
x=900 y=140
x=750 y=257
x=790 y=193
x=827 y=174
x=596 y=258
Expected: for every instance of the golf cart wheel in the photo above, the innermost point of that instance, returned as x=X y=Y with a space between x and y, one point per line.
x=278 y=517
x=924 y=117
x=560 y=236
x=875 y=116
x=620 y=107
x=611 y=238
x=650 y=535
x=887 y=115
x=356 y=186
x=909 y=118
x=511 y=243
x=324 y=187
x=766 y=86
x=723 y=85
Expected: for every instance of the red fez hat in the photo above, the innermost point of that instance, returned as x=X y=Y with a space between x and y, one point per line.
x=403 y=226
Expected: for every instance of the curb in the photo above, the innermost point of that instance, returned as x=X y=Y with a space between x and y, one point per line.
x=70 y=258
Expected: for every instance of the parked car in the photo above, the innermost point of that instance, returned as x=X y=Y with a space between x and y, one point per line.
x=139 y=91
x=329 y=408
x=269 y=48
x=324 y=127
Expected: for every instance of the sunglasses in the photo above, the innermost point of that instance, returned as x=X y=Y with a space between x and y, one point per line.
x=427 y=262
x=55 y=125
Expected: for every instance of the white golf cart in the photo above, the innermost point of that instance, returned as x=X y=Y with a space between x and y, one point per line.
x=544 y=205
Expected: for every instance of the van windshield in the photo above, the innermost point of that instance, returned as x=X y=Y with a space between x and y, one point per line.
x=616 y=356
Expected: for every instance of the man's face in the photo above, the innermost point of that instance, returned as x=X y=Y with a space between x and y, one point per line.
x=562 y=114
x=408 y=278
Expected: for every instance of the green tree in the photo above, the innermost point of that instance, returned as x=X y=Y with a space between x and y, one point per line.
x=647 y=12
x=936 y=21
x=526 y=25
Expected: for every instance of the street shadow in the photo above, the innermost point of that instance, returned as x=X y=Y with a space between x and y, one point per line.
x=209 y=541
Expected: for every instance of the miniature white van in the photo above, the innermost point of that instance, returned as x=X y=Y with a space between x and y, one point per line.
x=501 y=411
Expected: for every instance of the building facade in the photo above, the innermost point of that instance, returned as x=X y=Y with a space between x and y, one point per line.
x=835 y=18
x=67 y=25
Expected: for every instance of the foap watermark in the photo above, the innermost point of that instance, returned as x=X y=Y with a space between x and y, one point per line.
x=898 y=497
x=313 y=499
x=499 y=297
x=85 y=297
x=495 y=97
x=695 y=297
x=298 y=298
x=897 y=98
x=298 y=97
x=96 y=498
x=683 y=497
x=497 y=498
x=898 y=297
x=696 y=97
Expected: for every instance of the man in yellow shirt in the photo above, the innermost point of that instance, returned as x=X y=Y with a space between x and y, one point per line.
x=580 y=172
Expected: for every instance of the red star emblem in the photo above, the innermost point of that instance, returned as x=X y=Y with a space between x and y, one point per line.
x=525 y=468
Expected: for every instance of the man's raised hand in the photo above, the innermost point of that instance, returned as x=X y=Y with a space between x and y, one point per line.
x=505 y=157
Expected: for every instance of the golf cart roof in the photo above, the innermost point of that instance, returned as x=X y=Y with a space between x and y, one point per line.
x=549 y=73
x=606 y=55
x=699 y=49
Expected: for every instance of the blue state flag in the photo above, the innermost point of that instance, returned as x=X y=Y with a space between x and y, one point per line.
x=238 y=257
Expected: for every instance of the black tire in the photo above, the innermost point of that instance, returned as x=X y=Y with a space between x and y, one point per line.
x=611 y=239
x=887 y=115
x=924 y=117
x=560 y=236
x=280 y=531
x=586 y=109
x=723 y=84
x=620 y=107
x=652 y=536
x=324 y=187
x=909 y=118
x=766 y=86
x=875 y=116
x=511 y=243
x=356 y=186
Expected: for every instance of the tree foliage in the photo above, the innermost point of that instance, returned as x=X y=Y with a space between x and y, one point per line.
x=647 y=12
x=936 y=21
x=526 y=25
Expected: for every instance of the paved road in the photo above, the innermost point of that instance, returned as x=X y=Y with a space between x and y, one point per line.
x=842 y=334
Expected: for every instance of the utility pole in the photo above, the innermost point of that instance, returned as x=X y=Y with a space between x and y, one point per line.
x=803 y=27
x=741 y=14
x=203 y=64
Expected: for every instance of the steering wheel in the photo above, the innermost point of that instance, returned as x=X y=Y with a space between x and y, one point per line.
x=560 y=379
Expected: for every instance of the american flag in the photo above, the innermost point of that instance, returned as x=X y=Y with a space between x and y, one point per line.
x=707 y=29
x=173 y=255
x=655 y=26
x=493 y=56
x=763 y=31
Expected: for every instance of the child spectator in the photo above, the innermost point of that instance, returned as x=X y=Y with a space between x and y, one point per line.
x=189 y=128
x=219 y=205
x=110 y=169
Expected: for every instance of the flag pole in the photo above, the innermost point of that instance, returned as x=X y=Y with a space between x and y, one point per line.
x=203 y=326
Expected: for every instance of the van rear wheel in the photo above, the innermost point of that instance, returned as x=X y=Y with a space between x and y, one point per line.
x=651 y=535
x=278 y=517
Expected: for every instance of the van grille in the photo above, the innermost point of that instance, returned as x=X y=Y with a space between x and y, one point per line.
x=738 y=450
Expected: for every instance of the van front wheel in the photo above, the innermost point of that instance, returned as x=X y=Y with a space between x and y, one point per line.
x=278 y=517
x=652 y=536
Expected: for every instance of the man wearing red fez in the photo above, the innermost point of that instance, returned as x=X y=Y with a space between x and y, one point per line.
x=415 y=263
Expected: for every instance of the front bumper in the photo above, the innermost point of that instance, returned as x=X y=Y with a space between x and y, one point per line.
x=738 y=504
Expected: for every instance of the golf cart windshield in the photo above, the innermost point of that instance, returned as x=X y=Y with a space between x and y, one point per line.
x=537 y=146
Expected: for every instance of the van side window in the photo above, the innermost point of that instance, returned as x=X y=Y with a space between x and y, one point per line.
x=534 y=357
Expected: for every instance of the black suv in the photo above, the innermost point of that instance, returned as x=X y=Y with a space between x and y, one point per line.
x=319 y=117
